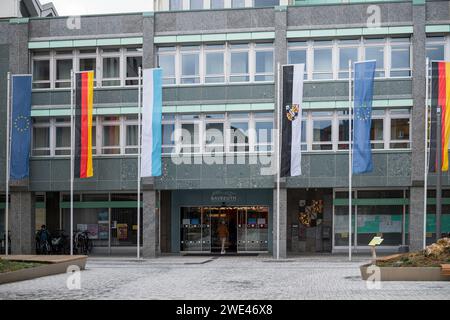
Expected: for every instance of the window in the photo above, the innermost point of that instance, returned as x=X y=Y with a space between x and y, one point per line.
x=190 y=71
x=435 y=48
x=214 y=60
x=374 y=50
x=166 y=61
x=323 y=60
x=348 y=51
x=214 y=133
x=297 y=54
x=264 y=62
x=237 y=3
x=196 y=4
x=266 y=3
x=132 y=68
x=322 y=129
x=62 y=137
x=41 y=137
x=399 y=129
x=111 y=71
x=343 y=128
x=239 y=138
x=376 y=130
x=239 y=64
x=190 y=133
x=400 y=57
x=263 y=130
x=111 y=135
x=41 y=74
x=217 y=4
x=63 y=69
x=131 y=132
x=175 y=5
x=168 y=134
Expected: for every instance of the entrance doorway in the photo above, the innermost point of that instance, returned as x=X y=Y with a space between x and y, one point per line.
x=247 y=228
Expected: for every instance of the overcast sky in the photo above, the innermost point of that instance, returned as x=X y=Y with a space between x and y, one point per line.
x=84 y=7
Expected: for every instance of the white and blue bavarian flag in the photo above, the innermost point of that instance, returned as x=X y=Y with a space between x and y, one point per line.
x=151 y=123
x=291 y=120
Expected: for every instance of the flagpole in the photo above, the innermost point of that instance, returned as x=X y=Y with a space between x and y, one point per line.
x=425 y=179
x=72 y=145
x=278 y=156
x=139 y=166
x=350 y=168
x=8 y=145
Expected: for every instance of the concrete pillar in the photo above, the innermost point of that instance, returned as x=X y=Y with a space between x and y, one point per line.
x=148 y=28
x=416 y=227
x=150 y=224
x=22 y=222
x=283 y=222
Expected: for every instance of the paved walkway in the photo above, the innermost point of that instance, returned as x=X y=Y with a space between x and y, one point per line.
x=174 y=277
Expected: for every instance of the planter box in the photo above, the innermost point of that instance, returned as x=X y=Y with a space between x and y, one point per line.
x=42 y=271
x=407 y=273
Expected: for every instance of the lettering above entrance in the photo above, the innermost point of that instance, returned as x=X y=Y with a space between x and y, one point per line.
x=223 y=196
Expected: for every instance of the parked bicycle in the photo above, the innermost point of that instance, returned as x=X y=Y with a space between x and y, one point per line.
x=60 y=243
x=43 y=239
x=82 y=243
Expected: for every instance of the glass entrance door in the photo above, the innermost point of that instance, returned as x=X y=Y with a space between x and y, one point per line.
x=202 y=228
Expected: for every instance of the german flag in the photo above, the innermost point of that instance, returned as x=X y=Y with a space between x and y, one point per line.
x=84 y=96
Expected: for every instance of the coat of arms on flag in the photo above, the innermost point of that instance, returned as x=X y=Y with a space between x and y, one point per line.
x=292 y=111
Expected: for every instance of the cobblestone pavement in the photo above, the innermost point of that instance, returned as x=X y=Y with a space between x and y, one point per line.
x=308 y=277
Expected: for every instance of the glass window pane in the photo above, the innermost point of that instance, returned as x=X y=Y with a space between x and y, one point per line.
x=111 y=70
x=346 y=54
x=239 y=135
x=175 y=4
x=214 y=67
x=111 y=139
x=214 y=134
x=167 y=64
x=323 y=63
x=376 y=130
x=62 y=137
x=266 y=3
x=399 y=129
x=321 y=130
x=239 y=67
x=196 y=4
x=88 y=64
x=435 y=52
x=41 y=70
x=63 y=68
x=296 y=56
x=264 y=134
x=217 y=4
x=190 y=68
x=376 y=53
x=41 y=137
x=190 y=137
x=133 y=64
x=132 y=135
x=264 y=64
x=237 y=3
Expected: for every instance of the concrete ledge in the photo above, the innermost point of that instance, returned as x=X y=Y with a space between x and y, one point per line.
x=51 y=265
x=406 y=273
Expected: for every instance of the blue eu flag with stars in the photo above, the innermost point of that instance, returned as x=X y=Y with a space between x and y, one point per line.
x=20 y=127
x=362 y=116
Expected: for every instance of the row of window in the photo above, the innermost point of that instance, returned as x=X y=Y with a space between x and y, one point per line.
x=216 y=63
x=224 y=62
x=222 y=132
x=219 y=4
x=112 y=66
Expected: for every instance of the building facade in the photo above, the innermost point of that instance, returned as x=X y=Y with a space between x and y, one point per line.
x=219 y=61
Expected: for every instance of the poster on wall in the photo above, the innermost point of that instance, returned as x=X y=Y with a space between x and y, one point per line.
x=103 y=231
x=310 y=213
x=122 y=231
x=92 y=230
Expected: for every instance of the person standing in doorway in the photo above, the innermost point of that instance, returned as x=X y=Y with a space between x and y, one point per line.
x=223 y=233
